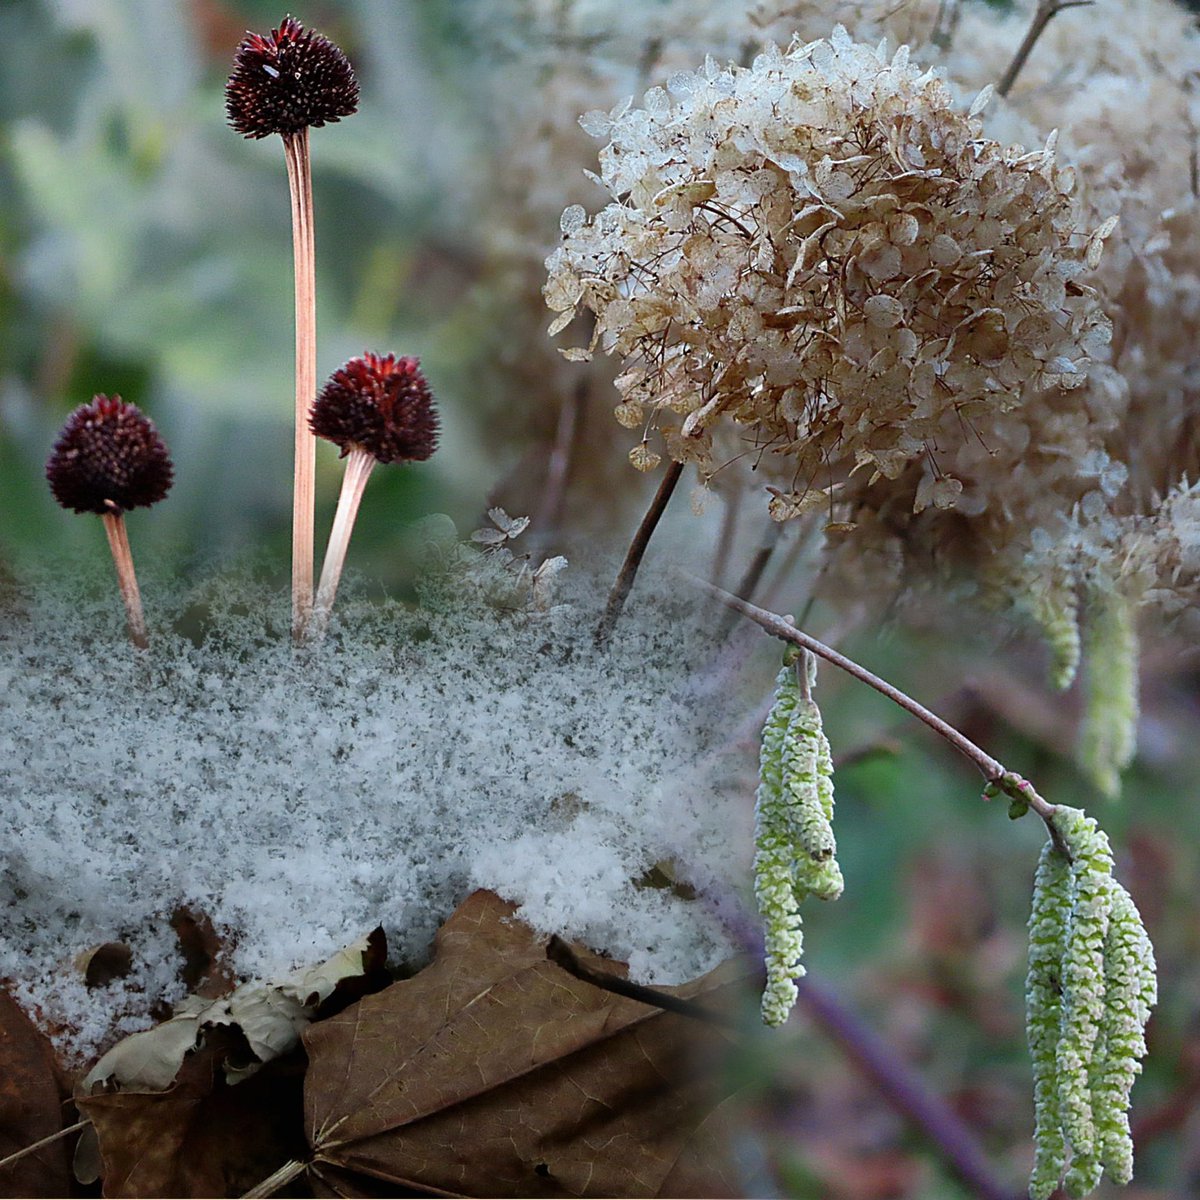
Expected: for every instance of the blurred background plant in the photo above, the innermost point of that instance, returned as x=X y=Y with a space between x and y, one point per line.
x=145 y=250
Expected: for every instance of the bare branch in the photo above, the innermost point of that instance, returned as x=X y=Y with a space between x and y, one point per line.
x=1047 y=10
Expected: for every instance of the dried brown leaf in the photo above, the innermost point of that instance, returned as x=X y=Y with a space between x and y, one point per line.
x=202 y=1137
x=30 y=1108
x=494 y=1072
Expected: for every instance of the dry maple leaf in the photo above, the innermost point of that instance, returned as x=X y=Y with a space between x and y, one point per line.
x=29 y=1108
x=495 y=1072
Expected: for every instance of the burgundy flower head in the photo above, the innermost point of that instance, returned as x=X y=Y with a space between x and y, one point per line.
x=108 y=458
x=382 y=404
x=286 y=80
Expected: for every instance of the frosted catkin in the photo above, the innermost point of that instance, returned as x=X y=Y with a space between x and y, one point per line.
x=1083 y=974
x=774 y=876
x=1043 y=1013
x=1057 y=612
x=1130 y=993
x=808 y=794
x=1089 y=992
x=1108 y=737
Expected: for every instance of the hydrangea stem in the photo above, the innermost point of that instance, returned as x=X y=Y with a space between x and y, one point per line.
x=637 y=550
x=295 y=149
x=1008 y=782
x=1047 y=10
x=359 y=464
x=118 y=543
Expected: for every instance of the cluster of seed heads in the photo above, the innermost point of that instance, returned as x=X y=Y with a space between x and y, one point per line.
x=795 y=850
x=1089 y=991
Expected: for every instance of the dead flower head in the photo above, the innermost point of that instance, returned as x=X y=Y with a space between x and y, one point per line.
x=287 y=80
x=821 y=249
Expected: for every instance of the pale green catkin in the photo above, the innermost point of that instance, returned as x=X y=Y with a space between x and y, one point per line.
x=1057 y=612
x=1043 y=1014
x=795 y=850
x=1083 y=973
x=1108 y=736
x=1089 y=992
x=774 y=858
x=1130 y=993
x=808 y=795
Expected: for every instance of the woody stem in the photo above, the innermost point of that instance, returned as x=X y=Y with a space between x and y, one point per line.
x=623 y=584
x=295 y=149
x=118 y=543
x=1047 y=10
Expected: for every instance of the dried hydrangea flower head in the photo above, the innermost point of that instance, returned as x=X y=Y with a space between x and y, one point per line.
x=375 y=409
x=381 y=404
x=288 y=80
x=108 y=459
x=821 y=248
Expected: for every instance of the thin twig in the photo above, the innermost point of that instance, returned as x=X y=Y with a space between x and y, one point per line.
x=280 y=1179
x=749 y=582
x=633 y=557
x=561 y=954
x=903 y=1089
x=295 y=150
x=46 y=1141
x=994 y=772
x=1047 y=10
x=558 y=469
x=729 y=521
x=118 y=543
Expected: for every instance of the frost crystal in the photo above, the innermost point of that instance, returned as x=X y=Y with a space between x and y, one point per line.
x=299 y=800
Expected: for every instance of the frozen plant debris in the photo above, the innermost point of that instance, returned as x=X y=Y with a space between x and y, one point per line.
x=378 y=778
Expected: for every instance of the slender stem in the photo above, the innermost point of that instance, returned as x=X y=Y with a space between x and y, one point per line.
x=46 y=1141
x=561 y=954
x=280 y=1179
x=993 y=771
x=903 y=1089
x=295 y=149
x=118 y=543
x=359 y=464
x=558 y=469
x=637 y=549
x=1046 y=11
x=729 y=521
x=749 y=582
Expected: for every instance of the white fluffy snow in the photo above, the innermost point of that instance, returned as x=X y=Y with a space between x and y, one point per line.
x=300 y=799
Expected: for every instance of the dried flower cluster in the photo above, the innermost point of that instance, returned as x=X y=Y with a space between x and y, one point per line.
x=108 y=459
x=1089 y=992
x=288 y=80
x=795 y=850
x=380 y=403
x=823 y=249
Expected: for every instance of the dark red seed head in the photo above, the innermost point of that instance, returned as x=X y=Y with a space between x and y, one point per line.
x=108 y=458
x=286 y=80
x=381 y=404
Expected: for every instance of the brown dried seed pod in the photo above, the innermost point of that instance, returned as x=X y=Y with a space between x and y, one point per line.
x=382 y=404
x=287 y=80
x=108 y=459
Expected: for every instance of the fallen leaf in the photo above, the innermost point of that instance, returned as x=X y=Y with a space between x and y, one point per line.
x=30 y=1108
x=495 y=1072
x=269 y=1016
x=203 y=1136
